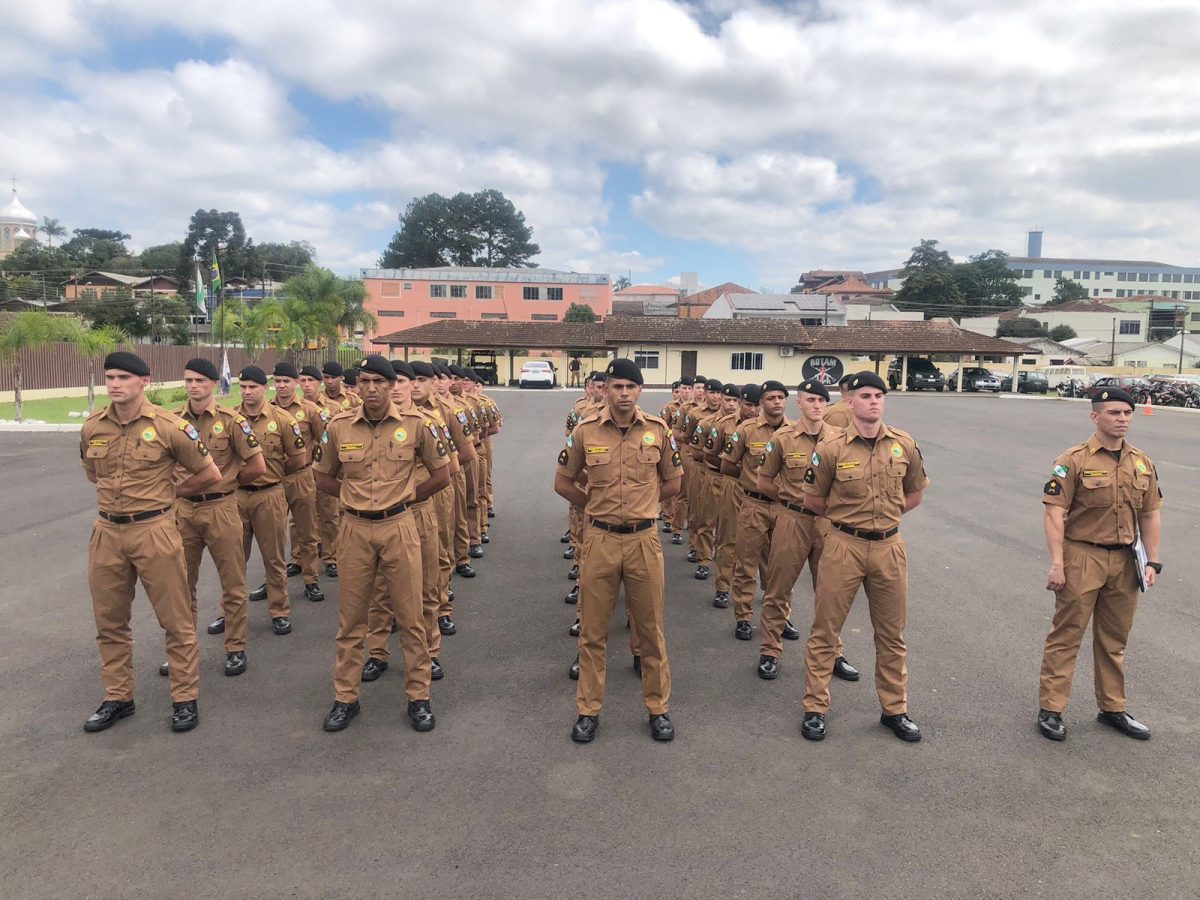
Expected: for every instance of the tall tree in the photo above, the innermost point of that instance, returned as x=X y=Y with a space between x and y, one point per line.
x=160 y=257
x=95 y=248
x=1022 y=326
x=579 y=312
x=1063 y=332
x=621 y=283
x=987 y=283
x=52 y=228
x=929 y=283
x=22 y=333
x=278 y=262
x=93 y=345
x=209 y=232
x=320 y=305
x=480 y=229
x=1066 y=290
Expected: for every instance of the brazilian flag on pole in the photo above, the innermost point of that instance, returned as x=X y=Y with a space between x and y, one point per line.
x=214 y=275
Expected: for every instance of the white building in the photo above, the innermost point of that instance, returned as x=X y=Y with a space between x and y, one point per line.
x=1089 y=319
x=17 y=225
x=809 y=309
x=865 y=309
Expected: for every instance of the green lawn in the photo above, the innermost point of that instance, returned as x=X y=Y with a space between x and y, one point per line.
x=54 y=409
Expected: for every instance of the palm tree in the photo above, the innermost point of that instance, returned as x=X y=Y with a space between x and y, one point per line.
x=52 y=228
x=24 y=332
x=93 y=344
x=227 y=321
x=313 y=302
x=356 y=316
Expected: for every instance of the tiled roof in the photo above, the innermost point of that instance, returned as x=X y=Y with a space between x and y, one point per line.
x=1073 y=306
x=906 y=337
x=706 y=331
x=850 y=285
x=1051 y=261
x=639 y=290
x=708 y=295
x=500 y=335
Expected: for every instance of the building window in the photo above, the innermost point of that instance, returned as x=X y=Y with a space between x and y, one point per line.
x=1087 y=276
x=1154 y=276
x=646 y=359
x=408 y=285
x=531 y=293
x=1077 y=275
x=1130 y=327
x=390 y=289
x=1046 y=273
x=1194 y=317
x=1120 y=276
x=544 y=317
x=443 y=315
x=1037 y=296
x=1027 y=291
x=554 y=293
x=1187 y=279
x=1120 y=292
x=437 y=290
x=1027 y=273
x=1137 y=363
x=500 y=317
x=1058 y=273
x=483 y=292
x=746 y=361
x=391 y=314
x=458 y=291
x=1031 y=361
x=1095 y=292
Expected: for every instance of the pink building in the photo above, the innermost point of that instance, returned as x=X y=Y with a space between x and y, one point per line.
x=405 y=298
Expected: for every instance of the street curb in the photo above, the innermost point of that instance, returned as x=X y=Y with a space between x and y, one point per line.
x=34 y=427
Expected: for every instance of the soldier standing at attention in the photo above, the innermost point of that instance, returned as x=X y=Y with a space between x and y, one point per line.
x=667 y=413
x=729 y=492
x=262 y=502
x=838 y=414
x=474 y=535
x=1102 y=495
x=369 y=458
x=742 y=456
x=130 y=451
x=350 y=385
x=496 y=423
x=583 y=408
x=863 y=479
x=799 y=534
x=705 y=486
x=692 y=473
x=336 y=380
x=632 y=465
x=327 y=508
x=452 y=501
x=211 y=519
x=300 y=488
x=679 y=505
x=466 y=455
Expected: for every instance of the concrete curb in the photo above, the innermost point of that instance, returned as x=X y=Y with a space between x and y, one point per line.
x=33 y=427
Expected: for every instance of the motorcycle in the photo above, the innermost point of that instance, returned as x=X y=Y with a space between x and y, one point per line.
x=1071 y=388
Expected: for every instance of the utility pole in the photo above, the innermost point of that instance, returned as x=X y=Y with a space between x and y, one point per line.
x=1112 y=355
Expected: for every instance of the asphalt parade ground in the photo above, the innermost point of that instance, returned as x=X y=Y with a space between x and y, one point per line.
x=497 y=801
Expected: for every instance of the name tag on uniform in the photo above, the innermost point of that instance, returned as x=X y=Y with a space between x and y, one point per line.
x=1095 y=473
x=98 y=442
x=346 y=447
x=849 y=465
x=795 y=456
x=597 y=449
x=757 y=445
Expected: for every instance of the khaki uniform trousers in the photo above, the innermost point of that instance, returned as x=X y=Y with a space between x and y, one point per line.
x=610 y=560
x=462 y=531
x=443 y=504
x=300 y=489
x=1100 y=583
x=679 y=506
x=491 y=496
x=881 y=569
x=391 y=548
x=481 y=476
x=217 y=525
x=755 y=534
x=798 y=538
x=118 y=556
x=575 y=523
x=729 y=503
x=264 y=519
x=329 y=514
x=472 y=471
x=704 y=513
x=380 y=616
x=699 y=471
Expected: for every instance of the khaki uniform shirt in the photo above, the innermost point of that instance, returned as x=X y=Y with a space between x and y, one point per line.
x=343 y=402
x=580 y=410
x=134 y=464
x=281 y=438
x=668 y=412
x=787 y=458
x=720 y=431
x=380 y=464
x=838 y=414
x=471 y=405
x=694 y=420
x=745 y=448
x=1102 y=495
x=230 y=441
x=309 y=416
x=865 y=487
x=624 y=471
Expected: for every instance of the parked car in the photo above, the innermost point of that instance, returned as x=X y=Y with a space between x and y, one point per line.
x=1129 y=383
x=923 y=375
x=1027 y=383
x=484 y=364
x=975 y=379
x=538 y=373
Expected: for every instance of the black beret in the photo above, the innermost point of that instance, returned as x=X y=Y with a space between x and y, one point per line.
x=752 y=393
x=699 y=379
x=713 y=386
x=333 y=367
x=455 y=371
x=812 y=386
x=442 y=370
x=424 y=369
x=473 y=376
x=731 y=390
x=350 y=375
x=687 y=380
x=845 y=378
x=127 y=362
x=599 y=376
x=286 y=369
x=768 y=386
x=311 y=372
x=253 y=373
x=626 y=369
x=675 y=384
x=400 y=367
x=375 y=364
x=202 y=366
x=867 y=380
x=1113 y=395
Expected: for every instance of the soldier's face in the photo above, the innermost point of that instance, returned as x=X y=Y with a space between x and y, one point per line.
x=443 y=385
x=252 y=393
x=199 y=389
x=422 y=388
x=374 y=392
x=812 y=407
x=310 y=386
x=622 y=394
x=867 y=404
x=747 y=410
x=675 y=393
x=333 y=384
x=402 y=391
x=698 y=394
x=456 y=386
x=729 y=405
x=124 y=386
x=773 y=403
x=1112 y=419
x=285 y=388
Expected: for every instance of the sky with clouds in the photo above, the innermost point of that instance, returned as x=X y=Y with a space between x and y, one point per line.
x=747 y=141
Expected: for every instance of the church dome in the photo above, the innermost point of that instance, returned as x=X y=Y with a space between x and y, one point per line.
x=16 y=213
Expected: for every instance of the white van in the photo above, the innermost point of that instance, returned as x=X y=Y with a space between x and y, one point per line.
x=1056 y=374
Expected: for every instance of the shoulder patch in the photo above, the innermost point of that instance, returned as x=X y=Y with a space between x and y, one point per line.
x=562 y=458
x=676 y=459
x=1053 y=488
x=810 y=477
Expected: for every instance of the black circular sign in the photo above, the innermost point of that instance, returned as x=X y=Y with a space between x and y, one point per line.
x=825 y=369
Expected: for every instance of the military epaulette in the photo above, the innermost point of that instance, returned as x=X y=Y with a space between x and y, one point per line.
x=590 y=417
x=97 y=414
x=652 y=418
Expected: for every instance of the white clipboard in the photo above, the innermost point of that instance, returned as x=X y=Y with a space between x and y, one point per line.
x=1139 y=560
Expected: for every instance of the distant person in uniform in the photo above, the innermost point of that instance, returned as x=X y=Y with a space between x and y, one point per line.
x=838 y=415
x=1102 y=495
x=573 y=367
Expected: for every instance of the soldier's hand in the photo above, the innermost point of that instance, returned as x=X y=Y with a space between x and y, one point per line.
x=1151 y=575
x=1056 y=580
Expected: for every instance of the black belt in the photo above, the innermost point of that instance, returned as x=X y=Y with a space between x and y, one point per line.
x=866 y=535
x=258 y=487
x=758 y=496
x=1105 y=546
x=624 y=529
x=299 y=470
x=204 y=498
x=136 y=517
x=803 y=510
x=377 y=516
